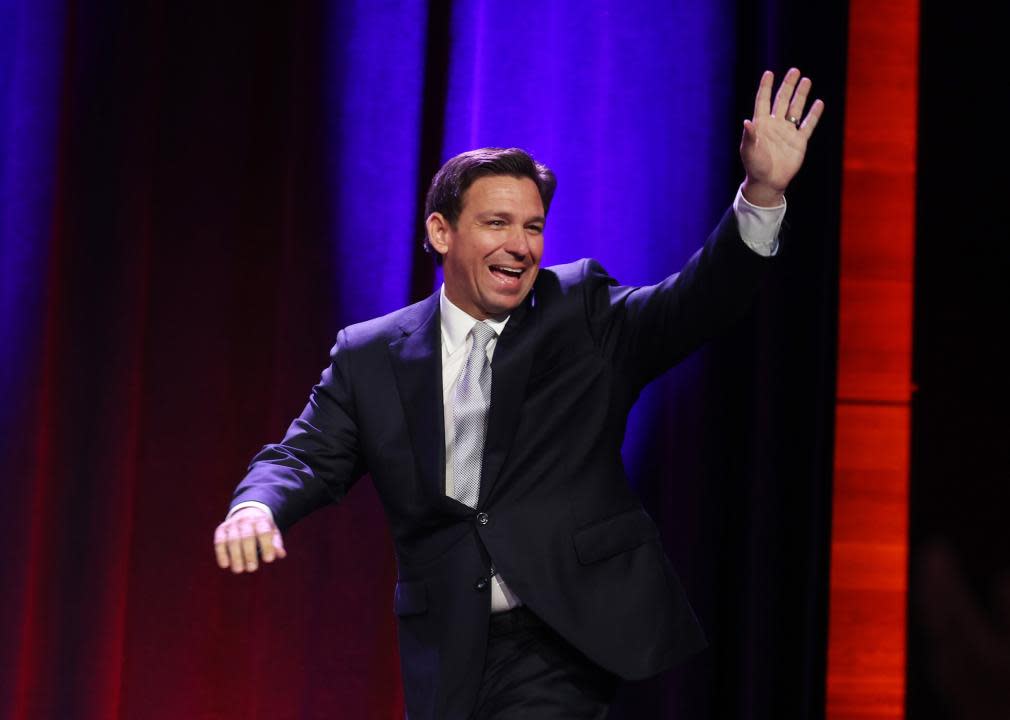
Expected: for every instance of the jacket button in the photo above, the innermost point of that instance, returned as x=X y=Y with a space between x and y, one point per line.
x=481 y=584
x=482 y=518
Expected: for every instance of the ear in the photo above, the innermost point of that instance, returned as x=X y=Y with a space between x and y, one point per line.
x=438 y=232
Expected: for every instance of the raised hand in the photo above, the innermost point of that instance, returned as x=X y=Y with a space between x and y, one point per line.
x=775 y=139
x=243 y=536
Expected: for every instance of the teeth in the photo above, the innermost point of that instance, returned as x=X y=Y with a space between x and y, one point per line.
x=514 y=272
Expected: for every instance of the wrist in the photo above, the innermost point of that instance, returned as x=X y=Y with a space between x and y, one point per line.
x=762 y=194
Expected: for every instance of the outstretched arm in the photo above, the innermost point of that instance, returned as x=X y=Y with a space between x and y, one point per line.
x=315 y=464
x=774 y=141
x=652 y=328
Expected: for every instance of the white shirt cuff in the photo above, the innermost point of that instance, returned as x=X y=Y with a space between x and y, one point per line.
x=759 y=226
x=252 y=503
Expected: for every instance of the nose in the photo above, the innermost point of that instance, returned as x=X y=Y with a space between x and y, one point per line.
x=518 y=243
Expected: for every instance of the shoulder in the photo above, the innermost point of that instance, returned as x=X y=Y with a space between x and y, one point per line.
x=389 y=327
x=575 y=291
x=574 y=276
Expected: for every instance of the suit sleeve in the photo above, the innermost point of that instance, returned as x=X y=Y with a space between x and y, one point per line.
x=647 y=330
x=319 y=458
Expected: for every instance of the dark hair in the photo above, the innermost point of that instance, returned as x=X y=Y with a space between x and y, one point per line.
x=445 y=195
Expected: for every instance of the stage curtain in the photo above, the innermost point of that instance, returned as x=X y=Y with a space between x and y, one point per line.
x=195 y=197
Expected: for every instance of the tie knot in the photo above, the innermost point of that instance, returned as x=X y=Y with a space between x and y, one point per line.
x=482 y=334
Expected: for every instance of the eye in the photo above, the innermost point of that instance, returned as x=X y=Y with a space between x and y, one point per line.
x=496 y=222
x=535 y=229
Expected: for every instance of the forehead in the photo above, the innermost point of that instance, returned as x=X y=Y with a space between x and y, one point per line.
x=503 y=193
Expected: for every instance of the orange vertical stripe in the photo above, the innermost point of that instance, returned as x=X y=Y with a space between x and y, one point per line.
x=869 y=546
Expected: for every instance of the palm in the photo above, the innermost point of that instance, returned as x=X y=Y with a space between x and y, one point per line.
x=773 y=147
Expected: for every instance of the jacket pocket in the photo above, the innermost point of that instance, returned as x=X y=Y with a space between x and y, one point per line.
x=410 y=598
x=613 y=536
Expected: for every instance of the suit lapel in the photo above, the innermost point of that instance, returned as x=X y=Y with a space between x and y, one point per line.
x=417 y=363
x=510 y=369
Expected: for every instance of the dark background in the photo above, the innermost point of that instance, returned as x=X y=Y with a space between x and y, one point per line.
x=959 y=604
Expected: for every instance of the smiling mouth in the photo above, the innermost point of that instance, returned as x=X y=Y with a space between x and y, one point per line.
x=507 y=271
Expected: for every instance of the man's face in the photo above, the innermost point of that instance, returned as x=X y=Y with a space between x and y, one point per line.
x=493 y=254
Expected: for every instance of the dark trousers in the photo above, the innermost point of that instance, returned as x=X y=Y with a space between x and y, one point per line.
x=532 y=673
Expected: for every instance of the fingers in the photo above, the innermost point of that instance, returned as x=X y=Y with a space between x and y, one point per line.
x=762 y=101
x=790 y=101
x=265 y=538
x=247 y=538
x=810 y=122
x=235 y=554
x=278 y=543
x=785 y=93
x=221 y=547
x=799 y=100
x=241 y=540
x=749 y=135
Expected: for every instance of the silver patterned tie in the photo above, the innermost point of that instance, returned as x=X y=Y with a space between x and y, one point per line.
x=469 y=413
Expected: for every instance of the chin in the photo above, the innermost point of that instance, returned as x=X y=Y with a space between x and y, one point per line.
x=507 y=303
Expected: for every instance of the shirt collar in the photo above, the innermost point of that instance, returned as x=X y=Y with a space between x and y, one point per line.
x=456 y=323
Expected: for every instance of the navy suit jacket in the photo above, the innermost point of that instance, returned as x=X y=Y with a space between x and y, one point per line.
x=556 y=516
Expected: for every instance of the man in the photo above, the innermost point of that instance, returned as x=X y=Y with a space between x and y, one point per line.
x=491 y=417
